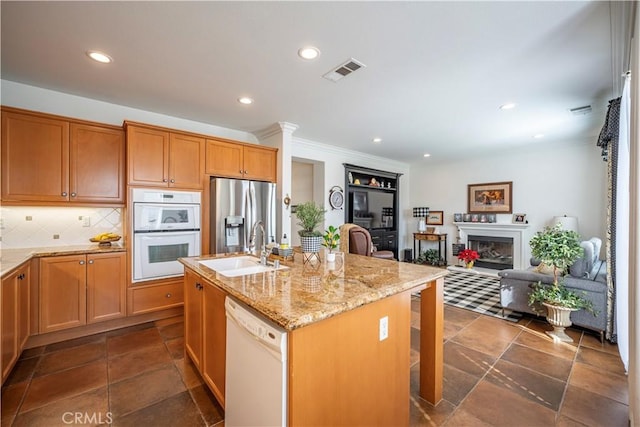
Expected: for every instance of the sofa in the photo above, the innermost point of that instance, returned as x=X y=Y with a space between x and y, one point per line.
x=587 y=276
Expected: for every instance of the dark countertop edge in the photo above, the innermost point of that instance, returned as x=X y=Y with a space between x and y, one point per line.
x=19 y=256
x=413 y=285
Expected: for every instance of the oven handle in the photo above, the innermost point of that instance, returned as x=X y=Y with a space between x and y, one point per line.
x=167 y=231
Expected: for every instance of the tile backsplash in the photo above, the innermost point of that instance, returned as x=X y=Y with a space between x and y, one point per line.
x=27 y=227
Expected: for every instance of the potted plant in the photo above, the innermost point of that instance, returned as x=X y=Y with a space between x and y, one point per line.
x=309 y=217
x=468 y=256
x=330 y=240
x=557 y=248
x=430 y=256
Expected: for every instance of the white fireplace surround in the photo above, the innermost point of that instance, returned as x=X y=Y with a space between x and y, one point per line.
x=518 y=232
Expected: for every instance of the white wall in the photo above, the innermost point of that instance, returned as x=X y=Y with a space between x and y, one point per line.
x=550 y=180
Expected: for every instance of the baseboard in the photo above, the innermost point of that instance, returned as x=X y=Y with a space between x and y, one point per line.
x=96 y=328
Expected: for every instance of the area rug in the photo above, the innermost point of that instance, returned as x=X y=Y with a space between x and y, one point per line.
x=476 y=292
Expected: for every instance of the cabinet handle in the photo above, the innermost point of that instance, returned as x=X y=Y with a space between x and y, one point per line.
x=241 y=171
x=164 y=179
x=90 y=261
x=168 y=295
x=199 y=286
x=81 y=262
x=64 y=194
x=173 y=180
x=246 y=172
x=73 y=194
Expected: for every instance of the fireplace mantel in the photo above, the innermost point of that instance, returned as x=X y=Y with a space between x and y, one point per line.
x=518 y=232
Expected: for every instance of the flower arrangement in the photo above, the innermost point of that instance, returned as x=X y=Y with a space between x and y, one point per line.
x=468 y=255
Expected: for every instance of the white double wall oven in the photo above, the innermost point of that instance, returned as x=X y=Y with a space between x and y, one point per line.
x=166 y=226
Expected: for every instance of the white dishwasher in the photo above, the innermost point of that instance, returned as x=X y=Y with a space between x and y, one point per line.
x=256 y=371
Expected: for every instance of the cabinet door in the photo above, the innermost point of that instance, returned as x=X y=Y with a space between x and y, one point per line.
x=214 y=326
x=35 y=158
x=186 y=161
x=9 y=323
x=97 y=164
x=24 y=307
x=106 y=286
x=62 y=292
x=193 y=316
x=260 y=164
x=224 y=159
x=148 y=156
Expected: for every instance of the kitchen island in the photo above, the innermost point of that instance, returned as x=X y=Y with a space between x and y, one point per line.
x=340 y=371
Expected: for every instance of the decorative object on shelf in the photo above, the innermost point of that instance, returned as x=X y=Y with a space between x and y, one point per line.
x=491 y=218
x=374 y=183
x=431 y=230
x=422 y=214
x=559 y=249
x=567 y=222
x=519 y=218
x=435 y=218
x=387 y=217
x=467 y=217
x=330 y=240
x=336 y=198
x=350 y=178
x=468 y=256
x=457 y=217
x=287 y=201
x=475 y=218
x=490 y=197
x=309 y=217
x=356 y=182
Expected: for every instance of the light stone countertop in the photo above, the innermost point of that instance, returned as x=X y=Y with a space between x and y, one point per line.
x=307 y=293
x=10 y=259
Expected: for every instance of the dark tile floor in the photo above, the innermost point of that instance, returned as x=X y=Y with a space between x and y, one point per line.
x=496 y=373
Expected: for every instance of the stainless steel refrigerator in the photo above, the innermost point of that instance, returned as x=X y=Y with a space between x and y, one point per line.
x=236 y=205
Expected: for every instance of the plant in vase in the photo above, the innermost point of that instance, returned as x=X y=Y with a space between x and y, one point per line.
x=468 y=256
x=559 y=249
x=330 y=240
x=309 y=217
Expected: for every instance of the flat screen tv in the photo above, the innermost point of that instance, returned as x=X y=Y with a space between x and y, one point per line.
x=360 y=203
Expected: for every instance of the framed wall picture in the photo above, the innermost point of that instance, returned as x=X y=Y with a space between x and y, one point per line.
x=435 y=218
x=491 y=197
x=519 y=218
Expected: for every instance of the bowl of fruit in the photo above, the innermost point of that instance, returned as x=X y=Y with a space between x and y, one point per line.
x=105 y=239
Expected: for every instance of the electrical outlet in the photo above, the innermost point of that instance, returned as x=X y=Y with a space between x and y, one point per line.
x=86 y=221
x=384 y=328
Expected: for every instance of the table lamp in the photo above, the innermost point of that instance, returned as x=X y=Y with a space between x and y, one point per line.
x=567 y=222
x=422 y=214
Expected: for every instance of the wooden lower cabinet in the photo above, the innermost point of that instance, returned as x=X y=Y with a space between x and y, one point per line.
x=206 y=331
x=80 y=289
x=15 y=316
x=154 y=297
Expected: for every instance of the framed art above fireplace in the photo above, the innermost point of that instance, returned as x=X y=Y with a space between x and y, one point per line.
x=490 y=197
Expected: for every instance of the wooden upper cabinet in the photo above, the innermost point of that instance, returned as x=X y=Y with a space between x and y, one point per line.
x=224 y=159
x=186 y=161
x=35 y=158
x=159 y=158
x=49 y=160
x=235 y=160
x=97 y=164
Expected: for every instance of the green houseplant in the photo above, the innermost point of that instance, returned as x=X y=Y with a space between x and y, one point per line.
x=558 y=249
x=330 y=240
x=430 y=256
x=309 y=217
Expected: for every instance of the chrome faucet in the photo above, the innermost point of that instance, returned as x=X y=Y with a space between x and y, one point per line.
x=252 y=241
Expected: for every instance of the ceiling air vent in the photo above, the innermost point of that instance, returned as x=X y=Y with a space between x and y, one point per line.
x=344 y=70
x=581 y=110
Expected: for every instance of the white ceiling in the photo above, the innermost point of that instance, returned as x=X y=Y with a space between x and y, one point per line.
x=436 y=72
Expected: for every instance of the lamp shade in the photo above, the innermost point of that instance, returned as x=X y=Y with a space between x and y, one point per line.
x=567 y=222
x=420 y=212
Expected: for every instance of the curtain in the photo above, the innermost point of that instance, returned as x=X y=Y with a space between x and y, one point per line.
x=622 y=225
x=614 y=141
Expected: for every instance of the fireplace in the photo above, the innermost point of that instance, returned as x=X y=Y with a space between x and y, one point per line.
x=495 y=253
x=518 y=233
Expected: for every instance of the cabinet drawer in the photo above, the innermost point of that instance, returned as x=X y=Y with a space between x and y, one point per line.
x=433 y=237
x=158 y=297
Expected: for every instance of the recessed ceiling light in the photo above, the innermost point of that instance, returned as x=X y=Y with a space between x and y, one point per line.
x=309 y=52
x=99 y=56
x=377 y=140
x=508 y=106
x=426 y=155
x=245 y=100
x=539 y=136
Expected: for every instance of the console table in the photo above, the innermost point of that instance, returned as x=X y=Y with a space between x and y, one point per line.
x=440 y=238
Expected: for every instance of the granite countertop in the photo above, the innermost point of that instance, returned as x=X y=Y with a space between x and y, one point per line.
x=306 y=293
x=13 y=258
